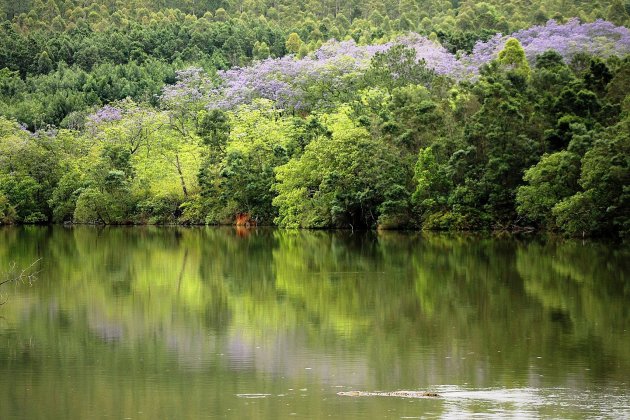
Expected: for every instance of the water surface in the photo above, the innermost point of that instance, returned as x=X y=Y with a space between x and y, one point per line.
x=148 y=323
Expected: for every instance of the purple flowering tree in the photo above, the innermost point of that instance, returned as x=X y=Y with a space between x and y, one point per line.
x=185 y=99
x=600 y=38
x=105 y=114
x=327 y=75
x=435 y=56
x=293 y=83
x=125 y=123
x=145 y=132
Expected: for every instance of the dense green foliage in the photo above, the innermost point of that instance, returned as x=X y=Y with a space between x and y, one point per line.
x=88 y=134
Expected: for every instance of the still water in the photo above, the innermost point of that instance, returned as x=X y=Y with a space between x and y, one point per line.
x=170 y=323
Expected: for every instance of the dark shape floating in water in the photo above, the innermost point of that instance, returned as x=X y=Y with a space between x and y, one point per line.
x=401 y=394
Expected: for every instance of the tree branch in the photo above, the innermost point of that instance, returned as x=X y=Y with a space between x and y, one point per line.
x=26 y=275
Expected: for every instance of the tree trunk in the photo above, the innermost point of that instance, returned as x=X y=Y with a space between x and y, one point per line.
x=181 y=175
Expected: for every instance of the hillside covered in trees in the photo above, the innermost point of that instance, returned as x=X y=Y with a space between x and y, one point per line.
x=449 y=115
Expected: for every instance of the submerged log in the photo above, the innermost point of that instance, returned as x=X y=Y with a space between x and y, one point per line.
x=400 y=394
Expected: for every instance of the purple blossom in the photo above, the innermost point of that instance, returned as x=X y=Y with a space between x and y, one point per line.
x=318 y=78
x=288 y=81
x=132 y=123
x=107 y=113
x=435 y=56
x=599 y=38
x=24 y=128
x=193 y=85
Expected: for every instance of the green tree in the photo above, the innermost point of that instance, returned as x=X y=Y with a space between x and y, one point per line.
x=498 y=148
x=347 y=179
x=617 y=13
x=432 y=186
x=261 y=50
x=44 y=63
x=553 y=179
x=397 y=67
x=258 y=142
x=29 y=170
x=416 y=121
x=107 y=197
x=293 y=43
x=602 y=207
x=512 y=58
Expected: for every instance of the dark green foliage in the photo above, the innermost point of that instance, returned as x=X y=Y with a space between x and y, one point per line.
x=464 y=40
x=347 y=180
x=64 y=197
x=605 y=181
x=501 y=150
x=553 y=179
x=160 y=210
x=106 y=196
x=397 y=67
x=214 y=129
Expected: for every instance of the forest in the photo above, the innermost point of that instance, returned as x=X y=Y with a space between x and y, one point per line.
x=407 y=114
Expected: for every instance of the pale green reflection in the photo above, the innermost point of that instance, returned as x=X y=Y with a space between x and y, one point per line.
x=180 y=323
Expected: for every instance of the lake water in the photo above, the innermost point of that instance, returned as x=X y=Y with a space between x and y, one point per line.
x=172 y=323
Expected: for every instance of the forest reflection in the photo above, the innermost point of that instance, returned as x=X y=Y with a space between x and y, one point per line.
x=380 y=309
